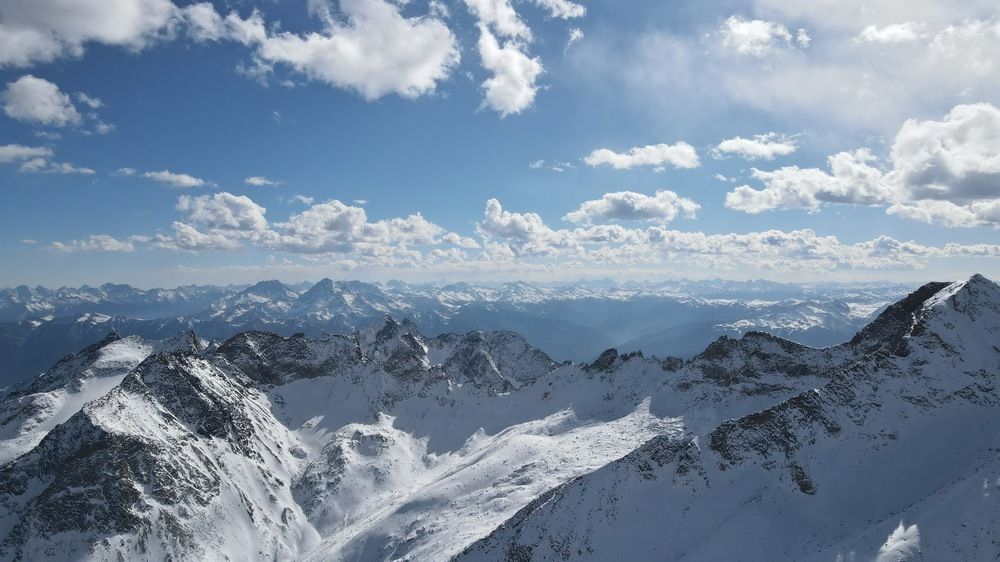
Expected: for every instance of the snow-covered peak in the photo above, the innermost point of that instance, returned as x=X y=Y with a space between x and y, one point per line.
x=28 y=414
x=271 y=289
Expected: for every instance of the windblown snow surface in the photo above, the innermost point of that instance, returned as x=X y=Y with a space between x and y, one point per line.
x=389 y=445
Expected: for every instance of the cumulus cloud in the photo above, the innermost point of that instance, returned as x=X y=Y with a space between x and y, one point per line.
x=175 y=179
x=892 y=33
x=336 y=233
x=852 y=179
x=677 y=155
x=511 y=89
x=756 y=38
x=524 y=233
x=661 y=208
x=956 y=158
x=38 y=101
x=373 y=50
x=459 y=240
x=33 y=31
x=942 y=172
x=223 y=212
x=501 y=16
x=512 y=236
x=261 y=181
x=334 y=227
x=221 y=221
x=503 y=52
x=15 y=153
x=766 y=146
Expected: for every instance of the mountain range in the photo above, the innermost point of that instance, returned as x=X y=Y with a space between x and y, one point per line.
x=388 y=444
x=38 y=326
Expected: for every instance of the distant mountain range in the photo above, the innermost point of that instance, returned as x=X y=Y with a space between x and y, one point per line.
x=38 y=325
x=384 y=443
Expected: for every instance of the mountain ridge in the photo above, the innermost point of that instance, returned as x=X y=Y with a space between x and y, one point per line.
x=388 y=444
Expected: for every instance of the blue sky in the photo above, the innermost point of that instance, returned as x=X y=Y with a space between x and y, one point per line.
x=130 y=129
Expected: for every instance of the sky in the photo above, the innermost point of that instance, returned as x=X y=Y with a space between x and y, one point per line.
x=160 y=143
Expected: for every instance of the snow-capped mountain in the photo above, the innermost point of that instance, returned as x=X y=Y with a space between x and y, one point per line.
x=895 y=458
x=568 y=322
x=388 y=444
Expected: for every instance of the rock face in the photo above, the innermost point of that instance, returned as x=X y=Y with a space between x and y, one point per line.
x=386 y=444
x=181 y=460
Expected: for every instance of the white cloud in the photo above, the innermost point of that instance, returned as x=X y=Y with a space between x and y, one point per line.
x=175 y=179
x=92 y=103
x=756 y=38
x=946 y=213
x=95 y=243
x=102 y=128
x=892 y=33
x=501 y=16
x=261 y=181
x=852 y=179
x=765 y=146
x=37 y=159
x=38 y=101
x=562 y=9
x=34 y=31
x=948 y=171
x=803 y=38
x=204 y=23
x=304 y=199
x=943 y=172
x=221 y=221
x=223 y=211
x=511 y=89
x=554 y=166
x=842 y=86
x=335 y=233
x=523 y=233
x=336 y=228
x=126 y=172
x=575 y=36
x=44 y=166
x=459 y=240
x=512 y=236
x=16 y=152
x=678 y=155
x=631 y=206
x=376 y=51
x=956 y=159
